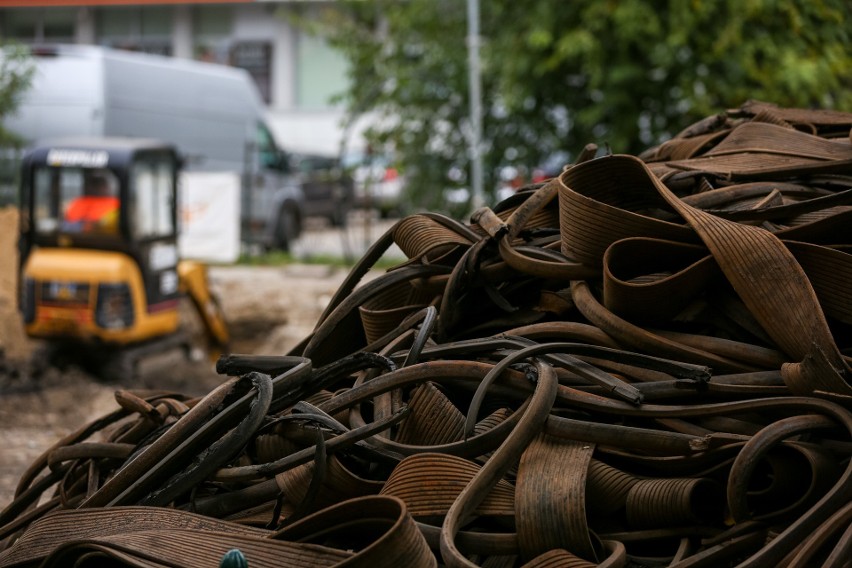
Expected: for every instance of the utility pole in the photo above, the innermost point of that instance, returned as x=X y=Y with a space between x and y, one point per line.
x=474 y=79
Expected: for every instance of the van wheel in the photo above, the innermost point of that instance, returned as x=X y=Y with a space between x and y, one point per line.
x=286 y=228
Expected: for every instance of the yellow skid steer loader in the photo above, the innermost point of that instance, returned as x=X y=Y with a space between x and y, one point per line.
x=100 y=272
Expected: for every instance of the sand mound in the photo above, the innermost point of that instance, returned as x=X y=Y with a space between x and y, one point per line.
x=13 y=342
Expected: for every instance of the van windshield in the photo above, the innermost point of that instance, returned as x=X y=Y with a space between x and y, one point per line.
x=75 y=200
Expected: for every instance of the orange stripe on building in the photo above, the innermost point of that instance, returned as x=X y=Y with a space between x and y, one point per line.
x=45 y=3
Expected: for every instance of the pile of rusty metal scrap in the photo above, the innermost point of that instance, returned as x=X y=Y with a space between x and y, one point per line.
x=644 y=362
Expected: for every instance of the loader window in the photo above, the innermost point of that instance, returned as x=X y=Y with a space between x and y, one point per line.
x=47 y=199
x=153 y=193
x=75 y=200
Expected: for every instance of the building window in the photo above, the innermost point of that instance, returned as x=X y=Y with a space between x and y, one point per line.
x=136 y=28
x=38 y=25
x=58 y=25
x=212 y=27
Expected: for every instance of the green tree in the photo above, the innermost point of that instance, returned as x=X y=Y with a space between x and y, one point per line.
x=16 y=70
x=557 y=75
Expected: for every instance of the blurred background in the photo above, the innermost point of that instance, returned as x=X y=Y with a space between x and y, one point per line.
x=382 y=87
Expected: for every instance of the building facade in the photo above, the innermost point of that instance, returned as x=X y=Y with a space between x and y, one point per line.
x=297 y=73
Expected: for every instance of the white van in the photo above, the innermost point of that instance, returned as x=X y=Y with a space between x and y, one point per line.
x=212 y=113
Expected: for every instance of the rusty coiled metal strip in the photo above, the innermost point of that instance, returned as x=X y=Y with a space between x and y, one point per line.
x=164 y=444
x=615 y=551
x=341 y=322
x=80 y=434
x=544 y=264
x=830 y=271
x=474 y=493
x=466 y=371
x=379 y=528
x=564 y=331
x=764 y=137
x=420 y=236
x=723 y=198
x=642 y=340
x=743 y=252
x=593 y=220
x=823 y=120
x=445 y=476
x=535 y=261
x=651 y=313
x=745 y=463
x=340 y=484
x=61 y=526
x=463 y=273
x=654 y=280
x=558 y=558
x=674 y=501
x=196 y=549
x=433 y=420
x=90 y=450
x=646 y=439
x=220 y=451
x=382 y=313
x=551 y=498
x=473 y=542
x=742 y=166
x=606 y=489
x=798 y=475
x=422 y=337
x=239 y=473
x=748 y=353
x=682 y=148
x=840 y=522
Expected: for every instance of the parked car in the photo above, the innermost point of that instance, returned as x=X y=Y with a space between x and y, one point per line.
x=327 y=186
x=377 y=182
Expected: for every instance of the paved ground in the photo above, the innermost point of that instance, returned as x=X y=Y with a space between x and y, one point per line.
x=319 y=239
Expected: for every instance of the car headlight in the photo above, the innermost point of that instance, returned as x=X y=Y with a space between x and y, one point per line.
x=115 y=306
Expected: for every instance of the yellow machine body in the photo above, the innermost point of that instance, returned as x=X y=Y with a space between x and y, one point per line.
x=66 y=284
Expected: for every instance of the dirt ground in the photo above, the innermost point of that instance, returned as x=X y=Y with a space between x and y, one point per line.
x=269 y=310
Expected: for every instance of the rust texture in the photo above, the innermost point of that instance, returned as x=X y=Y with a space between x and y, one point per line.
x=646 y=361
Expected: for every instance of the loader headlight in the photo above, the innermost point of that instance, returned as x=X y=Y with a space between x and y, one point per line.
x=115 y=306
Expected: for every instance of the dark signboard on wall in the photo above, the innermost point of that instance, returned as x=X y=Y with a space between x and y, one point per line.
x=256 y=58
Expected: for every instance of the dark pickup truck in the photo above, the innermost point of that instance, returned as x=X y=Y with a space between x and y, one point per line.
x=328 y=188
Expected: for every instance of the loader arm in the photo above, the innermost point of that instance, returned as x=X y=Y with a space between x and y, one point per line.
x=194 y=283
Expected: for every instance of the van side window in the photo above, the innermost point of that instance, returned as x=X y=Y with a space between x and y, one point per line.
x=152 y=189
x=267 y=151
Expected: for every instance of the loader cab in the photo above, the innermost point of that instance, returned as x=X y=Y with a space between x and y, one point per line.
x=99 y=239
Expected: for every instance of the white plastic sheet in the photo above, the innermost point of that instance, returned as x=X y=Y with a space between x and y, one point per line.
x=209 y=216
